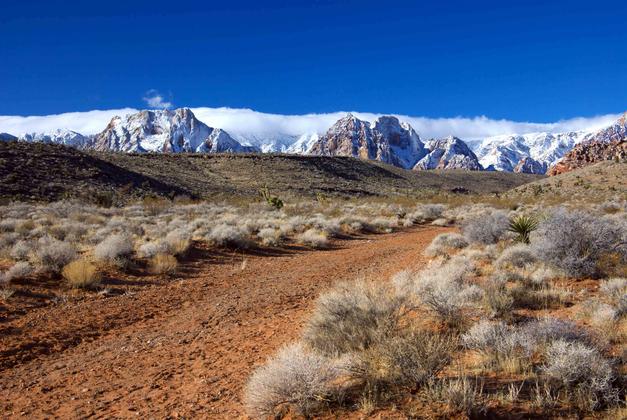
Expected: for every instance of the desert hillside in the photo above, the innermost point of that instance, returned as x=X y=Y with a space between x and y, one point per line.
x=36 y=171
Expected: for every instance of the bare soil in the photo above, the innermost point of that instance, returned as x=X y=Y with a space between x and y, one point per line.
x=181 y=347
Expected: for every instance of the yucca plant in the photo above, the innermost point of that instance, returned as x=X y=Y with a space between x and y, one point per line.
x=523 y=225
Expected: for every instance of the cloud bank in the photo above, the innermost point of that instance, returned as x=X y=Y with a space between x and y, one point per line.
x=246 y=123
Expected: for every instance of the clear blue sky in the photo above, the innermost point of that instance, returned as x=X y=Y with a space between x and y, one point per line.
x=521 y=60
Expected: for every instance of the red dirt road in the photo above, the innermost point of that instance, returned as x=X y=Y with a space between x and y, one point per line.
x=186 y=348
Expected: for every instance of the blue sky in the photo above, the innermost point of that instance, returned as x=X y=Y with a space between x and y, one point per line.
x=535 y=61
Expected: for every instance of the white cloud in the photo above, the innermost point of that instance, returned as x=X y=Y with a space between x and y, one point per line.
x=155 y=100
x=244 y=122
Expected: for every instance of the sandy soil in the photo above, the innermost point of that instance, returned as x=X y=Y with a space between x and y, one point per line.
x=182 y=348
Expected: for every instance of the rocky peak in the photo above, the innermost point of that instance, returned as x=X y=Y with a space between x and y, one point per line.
x=448 y=153
x=387 y=140
x=607 y=144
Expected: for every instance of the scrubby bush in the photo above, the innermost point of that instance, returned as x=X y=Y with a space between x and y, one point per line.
x=582 y=371
x=352 y=317
x=497 y=298
x=270 y=236
x=444 y=242
x=577 y=242
x=115 y=248
x=18 y=270
x=150 y=249
x=517 y=256
x=178 y=242
x=614 y=288
x=405 y=358
x=21 y=250
x=313 y=238
x=442 y=289
x=296 y=377
x=486 y=228
x=81 y=274
x=227 y=235
x=52 y=255
x=163 y=264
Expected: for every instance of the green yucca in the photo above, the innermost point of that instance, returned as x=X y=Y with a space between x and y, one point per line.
x=523 y=225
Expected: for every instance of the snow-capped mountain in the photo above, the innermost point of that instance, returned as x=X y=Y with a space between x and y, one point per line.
x=529 y=165
x=448 y=153
x=609 y=143
x=387 y=140
x=165 y=131
x=505 y=152
x=303 y=144
x=59 y=136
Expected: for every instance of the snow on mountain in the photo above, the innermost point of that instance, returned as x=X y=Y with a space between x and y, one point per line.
x=165 y=131
x=303 y=144
x=448 y=153
x=59 y=136
x=387 y=140
x=505 y=152
x=529 y=165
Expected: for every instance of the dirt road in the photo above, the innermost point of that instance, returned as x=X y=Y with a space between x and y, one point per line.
x=184 y=348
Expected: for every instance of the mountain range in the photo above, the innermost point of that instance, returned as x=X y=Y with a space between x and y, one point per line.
x=385 y=139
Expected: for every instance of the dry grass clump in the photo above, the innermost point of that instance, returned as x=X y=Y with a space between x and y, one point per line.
x=461 y=395
x=152 y=248
x=163 y=264
x=313 y=238
x=178 y=242
x=444 y=243
x=81 y=274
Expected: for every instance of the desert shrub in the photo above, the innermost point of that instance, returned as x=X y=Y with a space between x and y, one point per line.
x=445 y=242
x=582 y=371
x=542 y=332
x=517 y=256
x=270 y=236
x=577 y=242
x=81 y=274
x=295 y=377
x=163 y=264
x=406 y=358
x=227 y=235
x=614 y=288
x=115 y=248
x=522 y=226
x=313 y=238
x=429 y=212
x=52 y=255
x=21 y=250
x=18 y=270
x=541 y=276
x=497 y=299
x=486 y=228
x=352 y=317
x=150 y=249
x=464 y=396
x=178 y=241
x=442 y=290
